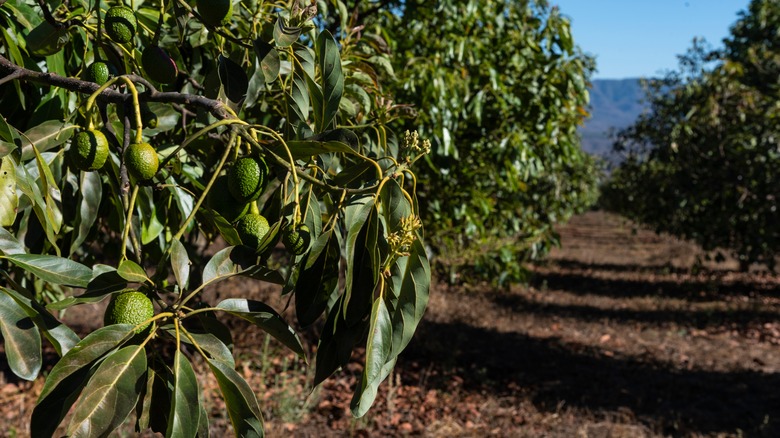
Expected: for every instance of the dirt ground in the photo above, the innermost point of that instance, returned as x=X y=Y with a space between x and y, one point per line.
x=617 y=336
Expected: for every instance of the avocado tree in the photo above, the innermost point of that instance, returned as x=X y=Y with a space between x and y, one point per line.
x=500 y=92
x=703 y=162
x=134 y=135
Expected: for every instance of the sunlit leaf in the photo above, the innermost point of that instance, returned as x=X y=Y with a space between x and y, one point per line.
x=9 y=200
x=265 y=317
x=285 y=35
x=54 y=269
x=241 y=401
x=332 y=80
x=21 y=339
x=180 y=262
x=90 y=195
x=268 y=59
x=236 y=260
x=378 y=347
x=132 y=272
x=60 y=335
x=111 y=393
x=45 y=136
x=184 y=415
x=65 y=381
x=9 y=244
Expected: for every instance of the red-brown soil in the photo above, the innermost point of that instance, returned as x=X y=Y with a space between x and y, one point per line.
x=617 y=336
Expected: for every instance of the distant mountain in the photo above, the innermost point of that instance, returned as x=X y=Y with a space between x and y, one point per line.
x=614 y=104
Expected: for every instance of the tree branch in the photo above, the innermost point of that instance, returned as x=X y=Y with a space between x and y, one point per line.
x=11 y=71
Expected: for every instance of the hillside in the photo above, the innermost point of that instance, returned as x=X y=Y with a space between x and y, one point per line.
x=615 y=103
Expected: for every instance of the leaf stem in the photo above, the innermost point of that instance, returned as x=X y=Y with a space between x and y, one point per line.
x=128 y=222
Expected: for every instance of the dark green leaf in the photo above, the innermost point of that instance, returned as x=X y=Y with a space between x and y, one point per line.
x=184 y=415
x=155 y=400
x=269 y=60
x=46 y=39
x=378 y=347
x=303 y=149
x=64 y=383
x=284 y=35
x=318 y=279
x=336 y=343
x=395 y=206
x=61 y=336
x=304 y=59
x=9 y=244
x=111 y=393
x=212 y=339
x=106 y=280
x=90 y=195
x=132 y=272
x=226 y=230
x=355 y=176
x=362 y=268
x=180 y=262
x=233 y=78
x=332 y=79
x=22 y=339
x=410 y=282
x=53 y=269
x=237 y=260
x=298 y=101
x=47 y=135
x=265 y=317
x=241 y=401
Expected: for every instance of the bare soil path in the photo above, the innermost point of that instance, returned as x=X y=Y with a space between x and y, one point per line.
x=615 y=337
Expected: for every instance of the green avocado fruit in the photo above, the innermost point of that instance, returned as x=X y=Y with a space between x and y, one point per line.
x=296 y=239
x=120 y=24
x=252 y=228
x=141 y=161
x=89 y=150
x=130 y=307
x=97 y=72
x=215 y=12
x=247 y=178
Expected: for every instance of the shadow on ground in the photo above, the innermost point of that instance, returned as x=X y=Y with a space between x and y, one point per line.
x=553 y=374
x=692 y=289
x=699 y=318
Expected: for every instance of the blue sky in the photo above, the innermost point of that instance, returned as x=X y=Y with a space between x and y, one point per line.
x=641 y=38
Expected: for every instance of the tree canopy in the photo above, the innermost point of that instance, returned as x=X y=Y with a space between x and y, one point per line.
x=500 y=91
x=703 y=162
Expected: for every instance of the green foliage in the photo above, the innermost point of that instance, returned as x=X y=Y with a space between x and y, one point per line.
x=500 y=91
x=703 y=163
x=270 y=86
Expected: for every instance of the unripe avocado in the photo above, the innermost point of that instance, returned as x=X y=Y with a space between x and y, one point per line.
x=97 y=72
x=252 y=228
x=296 y=239
x=130 y=307
x=247 y=178
x=120 y=24
x=89 y=150
x=215 y=12
x=141 y=161
x=158 y=66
